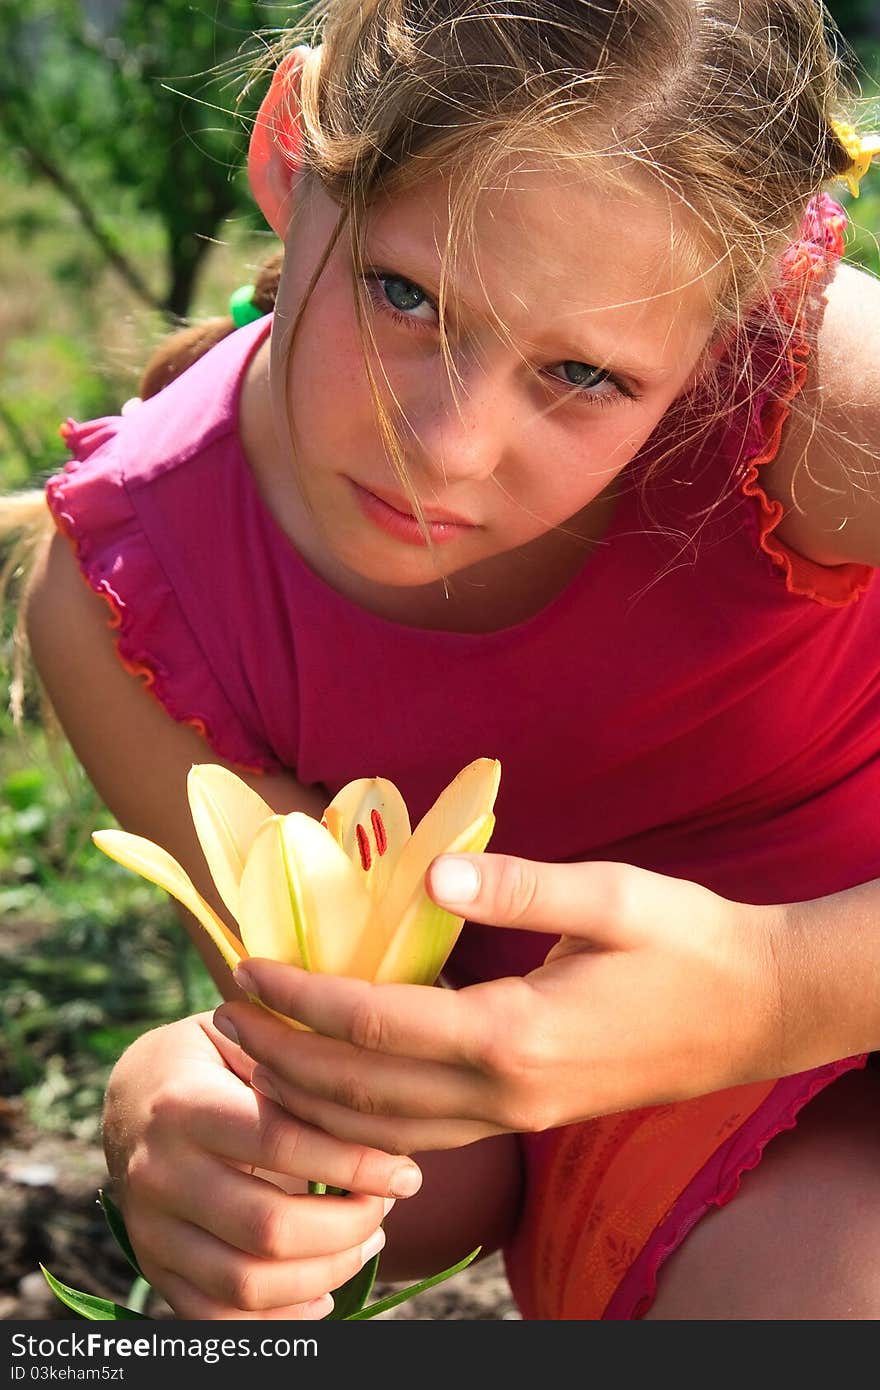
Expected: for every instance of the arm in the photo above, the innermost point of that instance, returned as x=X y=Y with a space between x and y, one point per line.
x=827 y=472
x=828 y=952
x=135 y=755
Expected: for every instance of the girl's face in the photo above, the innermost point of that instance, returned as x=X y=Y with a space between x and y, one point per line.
x=607 y=315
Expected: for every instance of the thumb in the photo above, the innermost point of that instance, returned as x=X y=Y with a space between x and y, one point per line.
x=595 y=900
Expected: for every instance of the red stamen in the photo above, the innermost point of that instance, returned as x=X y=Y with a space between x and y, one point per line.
x=379 y=832
x=364 y=847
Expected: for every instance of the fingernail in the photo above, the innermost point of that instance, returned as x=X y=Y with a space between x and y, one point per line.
x=320 y=1307
x=225 y=1026
x=405 y=1182
x=372 y=1246
x=244 y=980
x=455 y=880
x=387 y=1204
x=262 y=1082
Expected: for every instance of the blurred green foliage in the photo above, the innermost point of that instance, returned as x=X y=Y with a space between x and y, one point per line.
x=859 y=19
x=154 y=108
x=90 y=955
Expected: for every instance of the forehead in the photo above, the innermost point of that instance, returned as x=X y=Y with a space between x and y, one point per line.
x=553 y=249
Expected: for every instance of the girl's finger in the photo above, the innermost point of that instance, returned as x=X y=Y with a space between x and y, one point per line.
x=391 y=1133
x=415 y=1021
x=595 y=900
x=254 y=1216
x=190 y=1304
x=245 y=1128
x=247 y=1282
x=375 y=1082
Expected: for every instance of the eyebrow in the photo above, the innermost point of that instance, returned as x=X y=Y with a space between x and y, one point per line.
x=595 y=356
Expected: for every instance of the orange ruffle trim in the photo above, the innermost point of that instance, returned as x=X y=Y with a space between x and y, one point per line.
x=835 y=586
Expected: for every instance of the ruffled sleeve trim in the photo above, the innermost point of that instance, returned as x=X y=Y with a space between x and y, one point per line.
x=805 y=262
x=154 y=641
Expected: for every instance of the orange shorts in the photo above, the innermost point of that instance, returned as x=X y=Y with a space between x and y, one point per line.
x=607 y=1200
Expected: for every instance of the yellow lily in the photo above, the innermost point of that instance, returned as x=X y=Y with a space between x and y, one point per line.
x=345 y=896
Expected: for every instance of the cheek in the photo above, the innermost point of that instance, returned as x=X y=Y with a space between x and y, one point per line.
x=327 y=385
x=585 y=461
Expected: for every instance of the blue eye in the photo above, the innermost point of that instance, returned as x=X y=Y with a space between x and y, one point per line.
x=403 y=294
x=398 y=297
x=583 y=375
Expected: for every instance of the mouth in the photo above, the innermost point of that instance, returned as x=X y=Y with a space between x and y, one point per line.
x=392 y=514
x=435 y=515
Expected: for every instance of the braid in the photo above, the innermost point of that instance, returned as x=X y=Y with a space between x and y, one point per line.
x=180 y=350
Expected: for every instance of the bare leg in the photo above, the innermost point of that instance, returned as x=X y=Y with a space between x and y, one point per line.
x=801 y=1239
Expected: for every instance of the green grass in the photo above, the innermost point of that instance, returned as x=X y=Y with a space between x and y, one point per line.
x=90 y=955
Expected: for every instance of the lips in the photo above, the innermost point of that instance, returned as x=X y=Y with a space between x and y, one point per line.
x=432 y=514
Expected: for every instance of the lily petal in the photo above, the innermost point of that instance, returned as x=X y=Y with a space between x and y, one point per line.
x=159 y=867
x=369 y=820
x=335 y=900
x=466 y=801
x=422 y=942
x=302 y=900
x=227 y=814
x=271 y=916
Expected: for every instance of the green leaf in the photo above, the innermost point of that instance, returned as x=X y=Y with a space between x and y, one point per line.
x=351 y=1296
x=86 y=1305
x=116 y=1223
x=393 y=1299
x=24 y=788
x=139 y=1294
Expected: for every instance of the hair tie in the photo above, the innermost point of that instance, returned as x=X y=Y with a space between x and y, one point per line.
x=242 y=306
x=861 y=150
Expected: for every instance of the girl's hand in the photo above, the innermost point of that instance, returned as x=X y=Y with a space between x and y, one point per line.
x=183 y=1135
x=658 y=990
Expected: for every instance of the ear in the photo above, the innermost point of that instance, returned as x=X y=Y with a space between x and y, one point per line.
x=276 y=143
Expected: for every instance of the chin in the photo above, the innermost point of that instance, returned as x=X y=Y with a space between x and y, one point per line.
x=400 y=571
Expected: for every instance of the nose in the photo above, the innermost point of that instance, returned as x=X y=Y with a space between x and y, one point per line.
x=460 y=429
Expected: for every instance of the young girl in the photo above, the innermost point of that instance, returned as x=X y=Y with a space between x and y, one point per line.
x=558 y=447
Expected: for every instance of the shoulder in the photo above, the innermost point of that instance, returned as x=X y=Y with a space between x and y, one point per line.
x=827 y=472
x=134 y=752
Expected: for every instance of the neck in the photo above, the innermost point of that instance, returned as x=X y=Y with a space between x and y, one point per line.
x=499 y=592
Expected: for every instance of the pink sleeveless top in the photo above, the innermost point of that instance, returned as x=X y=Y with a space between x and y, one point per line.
x=699 y=700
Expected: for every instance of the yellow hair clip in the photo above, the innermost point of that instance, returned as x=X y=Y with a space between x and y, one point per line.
x=861 y=150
